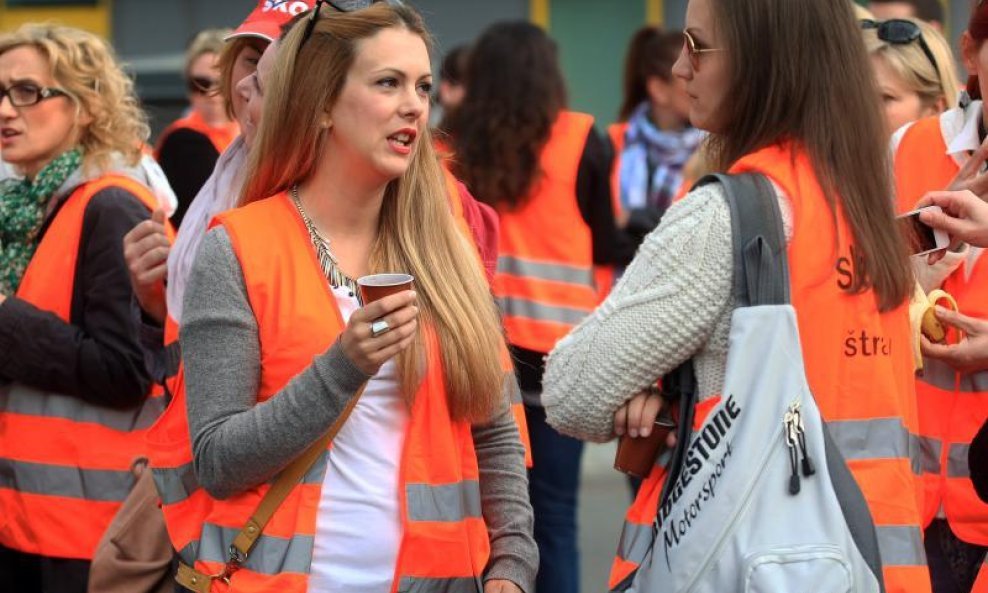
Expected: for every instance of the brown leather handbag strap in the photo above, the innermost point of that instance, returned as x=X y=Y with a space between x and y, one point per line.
x=286 y=481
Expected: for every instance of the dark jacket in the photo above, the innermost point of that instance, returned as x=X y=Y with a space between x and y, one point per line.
x=97 y=356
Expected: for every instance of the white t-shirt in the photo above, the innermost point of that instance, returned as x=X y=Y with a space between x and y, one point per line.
x=358 y=526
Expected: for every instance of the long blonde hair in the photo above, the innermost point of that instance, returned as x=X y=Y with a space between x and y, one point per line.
x=85 y=67
x=417 y=232
x=913 y=67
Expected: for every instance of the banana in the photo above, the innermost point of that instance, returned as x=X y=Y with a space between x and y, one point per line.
x=923 y=318
x=931 y=326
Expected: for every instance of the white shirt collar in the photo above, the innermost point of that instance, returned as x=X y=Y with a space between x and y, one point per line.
x=960 y=128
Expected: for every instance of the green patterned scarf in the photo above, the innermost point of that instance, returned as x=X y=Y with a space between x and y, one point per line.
x=23 y=205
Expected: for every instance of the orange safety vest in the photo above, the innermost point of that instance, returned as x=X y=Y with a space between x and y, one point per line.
x=64 y=463
x=220 y=136
x=952 y=405
x=444 y=543
x=859 y=367
x=545 y=276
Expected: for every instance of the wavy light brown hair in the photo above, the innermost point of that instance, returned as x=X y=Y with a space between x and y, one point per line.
x=799 y=72
x=514 y=93
x=417 y=232
x=85 y=67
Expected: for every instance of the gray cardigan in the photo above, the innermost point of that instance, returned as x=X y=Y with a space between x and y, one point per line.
x=238 y=443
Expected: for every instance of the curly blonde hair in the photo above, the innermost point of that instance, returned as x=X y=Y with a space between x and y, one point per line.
x=86 y=68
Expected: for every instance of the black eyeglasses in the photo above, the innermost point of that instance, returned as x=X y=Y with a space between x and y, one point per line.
x=203 y=85
x=26 y=94
x=342 y=6
x=901 y=32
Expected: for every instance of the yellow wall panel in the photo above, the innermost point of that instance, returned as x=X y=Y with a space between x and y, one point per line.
x=91 y=18
x=655 y=12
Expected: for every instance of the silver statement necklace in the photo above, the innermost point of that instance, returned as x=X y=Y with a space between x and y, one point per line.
x=327 y=261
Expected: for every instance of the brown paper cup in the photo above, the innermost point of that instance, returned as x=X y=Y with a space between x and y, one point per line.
x=378 y=286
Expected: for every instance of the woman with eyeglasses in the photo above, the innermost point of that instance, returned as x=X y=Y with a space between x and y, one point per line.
x=424 y=485
x=653 y=138
x=74 y=401
x=914 y=68
x=940 y=152
x=188 y=149
x=820 y=140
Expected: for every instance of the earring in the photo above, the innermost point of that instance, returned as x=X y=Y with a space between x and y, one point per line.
x=326 y=124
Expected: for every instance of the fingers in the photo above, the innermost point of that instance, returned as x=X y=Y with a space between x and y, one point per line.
x=146 y=246
x=971 y=166
x=621 y=420
x=369 y=352
x=969 y=325
x=153 y=274
x=636 y=406
x=955 y=227
x=382 y=307
x=158 y=216
x=642 y=410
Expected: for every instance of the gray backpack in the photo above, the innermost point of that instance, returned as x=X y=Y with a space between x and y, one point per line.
x=759 y=499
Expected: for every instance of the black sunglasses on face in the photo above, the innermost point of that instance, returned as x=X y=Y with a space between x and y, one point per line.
x=901 y=32
x=342 y=6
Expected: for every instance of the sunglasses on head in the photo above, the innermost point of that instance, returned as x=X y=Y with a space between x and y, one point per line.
x=203 y=85
x=341 y=6
x=901 y=32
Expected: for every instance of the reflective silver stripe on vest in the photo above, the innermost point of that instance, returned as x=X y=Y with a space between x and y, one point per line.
x=938 y=374
x=189 y=553
x=437 y=585
x=930 y=450
x=901 y=545
x=635 y=541
x=446 y=502
x=175 y=484
x=16 y=398
x=878 y=438
x=553 y=272
x=70 y=482
x=271 y=555
x=957 y=465
x=516 y=307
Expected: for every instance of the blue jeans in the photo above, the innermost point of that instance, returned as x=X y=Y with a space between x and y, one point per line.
x=554 y=482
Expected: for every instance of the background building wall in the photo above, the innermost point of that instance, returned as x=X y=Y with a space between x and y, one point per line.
x=150 y=35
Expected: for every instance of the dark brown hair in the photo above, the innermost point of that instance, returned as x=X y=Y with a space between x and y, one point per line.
x=652 y=52
x=800 y=72
x=978 y=30
x=514 y=93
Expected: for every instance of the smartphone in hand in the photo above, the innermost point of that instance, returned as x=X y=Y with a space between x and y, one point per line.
x=922 y=239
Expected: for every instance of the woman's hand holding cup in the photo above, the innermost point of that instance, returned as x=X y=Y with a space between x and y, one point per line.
x=380 y=330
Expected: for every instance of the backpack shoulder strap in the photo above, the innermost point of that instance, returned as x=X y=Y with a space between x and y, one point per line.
x=761 y=271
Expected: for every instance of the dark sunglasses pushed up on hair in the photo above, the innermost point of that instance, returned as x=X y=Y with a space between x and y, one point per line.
x=901 y=32
x=203 y=84
x=342 y=6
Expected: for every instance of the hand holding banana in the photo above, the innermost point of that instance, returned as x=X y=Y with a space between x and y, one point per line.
x=923 y=319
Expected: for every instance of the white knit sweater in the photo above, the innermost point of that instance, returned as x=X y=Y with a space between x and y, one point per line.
x=674 y=302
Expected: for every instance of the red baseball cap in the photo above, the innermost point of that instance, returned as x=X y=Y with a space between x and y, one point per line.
x=266 y=20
